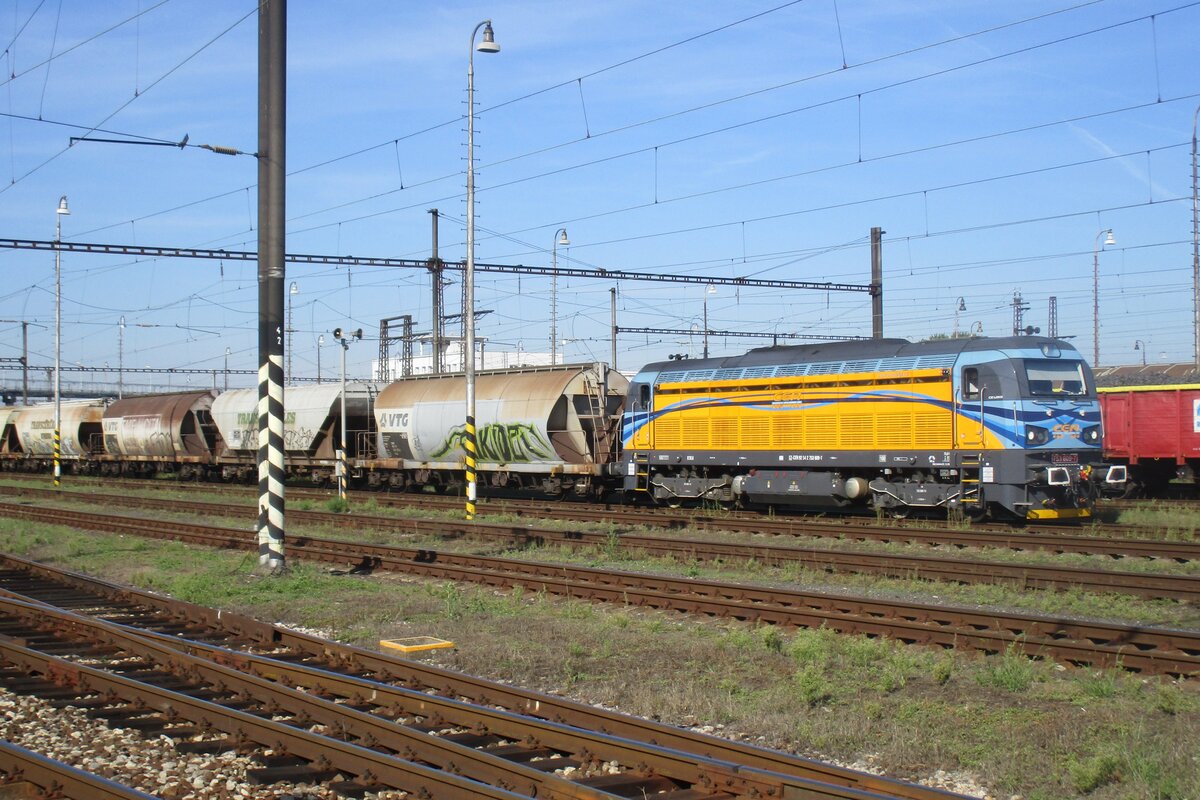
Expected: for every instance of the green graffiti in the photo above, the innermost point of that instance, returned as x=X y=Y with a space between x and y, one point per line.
x=505 y=443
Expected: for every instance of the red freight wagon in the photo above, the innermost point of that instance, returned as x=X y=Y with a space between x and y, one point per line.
x=1155 y=430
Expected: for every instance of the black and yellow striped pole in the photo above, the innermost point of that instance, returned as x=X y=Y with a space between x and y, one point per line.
x=488 y=45
x=469 y=447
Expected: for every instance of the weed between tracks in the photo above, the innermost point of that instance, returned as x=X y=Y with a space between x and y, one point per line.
x=1020 y=726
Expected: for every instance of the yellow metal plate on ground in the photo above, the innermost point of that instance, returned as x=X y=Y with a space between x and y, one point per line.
x=1058 y=513
x=415 y=644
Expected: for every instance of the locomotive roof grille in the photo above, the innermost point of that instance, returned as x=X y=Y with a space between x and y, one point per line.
x=897 y=364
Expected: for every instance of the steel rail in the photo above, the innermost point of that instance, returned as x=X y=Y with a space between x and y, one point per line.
x=325 y=753
x=1140 y=649
x=21 y=768
x=649 y=765
x=333 y=658
x=1045 y=539
x=1185 y=588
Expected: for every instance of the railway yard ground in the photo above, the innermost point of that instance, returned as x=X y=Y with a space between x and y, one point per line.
x=1001 y=725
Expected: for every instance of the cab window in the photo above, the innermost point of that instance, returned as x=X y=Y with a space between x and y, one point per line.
x=1055 y=378
x=643 y=398
x=970 y=383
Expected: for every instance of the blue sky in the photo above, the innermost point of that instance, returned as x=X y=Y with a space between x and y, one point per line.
x=991 y=141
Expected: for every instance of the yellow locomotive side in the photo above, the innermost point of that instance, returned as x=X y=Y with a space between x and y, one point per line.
x=902 y=410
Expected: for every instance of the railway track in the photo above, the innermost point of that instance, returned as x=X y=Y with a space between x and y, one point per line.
x=1026 y=576
x=502 y=736
x=1150 y=650
x=139 y=682
x=26 y=774
x=1123 y=541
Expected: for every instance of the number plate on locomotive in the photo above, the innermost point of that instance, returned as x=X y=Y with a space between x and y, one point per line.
x=1064 y=458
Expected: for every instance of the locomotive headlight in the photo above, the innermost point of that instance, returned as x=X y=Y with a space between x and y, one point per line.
x=1035 y=435
x=1092 y=435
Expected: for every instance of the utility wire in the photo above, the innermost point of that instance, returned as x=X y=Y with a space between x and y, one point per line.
x=14 y=75
x=126 y=104
x=448 y=176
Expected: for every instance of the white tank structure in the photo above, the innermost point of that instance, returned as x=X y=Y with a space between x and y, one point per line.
x=80 y=431
x=158 y=427
x=311 y=427
x=538 y=421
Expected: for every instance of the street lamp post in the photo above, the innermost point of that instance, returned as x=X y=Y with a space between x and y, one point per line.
x=227 y=354
x=1195 y=246
x=564 y=241
x=320 y=344
x=341 y=456
x=707 y=292
x=292 y=292
x=61 y=212
x=488 y=45
x=1096 y=293
x=121 y=358
x=1138 y=344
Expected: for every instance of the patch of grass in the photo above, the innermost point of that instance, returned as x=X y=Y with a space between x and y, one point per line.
x=943 y=669
x=1099 y=684
x=1011 y=671
x=1090 y=774
x=1175 y=523
x=812 y=687
x=337 y=505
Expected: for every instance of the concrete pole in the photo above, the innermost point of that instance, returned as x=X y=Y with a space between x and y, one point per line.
x=877 y=283
x=272 y=94
x=612 y=312
x=25 y=363
x=61 y=212
x=435 y=274
x=121 y=359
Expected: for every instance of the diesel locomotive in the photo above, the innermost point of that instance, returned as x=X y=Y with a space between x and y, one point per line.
x=974 y=426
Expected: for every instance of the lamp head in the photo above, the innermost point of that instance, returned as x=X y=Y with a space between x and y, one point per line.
x=358 y=334
x=563 y=241
x=294 y=289
x=321 y=340
x=1109 y=239
x=62 y=206
x=337 y=333
x=962 y=305
x=488 y=45
x=1137 y=344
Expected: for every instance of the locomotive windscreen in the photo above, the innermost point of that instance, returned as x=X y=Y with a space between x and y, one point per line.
x=1050 y=378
